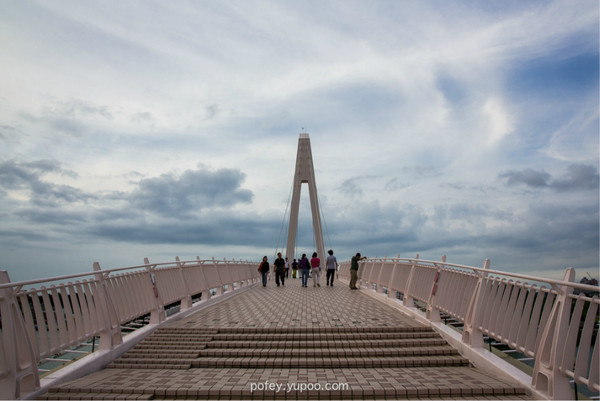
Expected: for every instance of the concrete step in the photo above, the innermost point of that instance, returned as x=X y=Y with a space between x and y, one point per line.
x=151 y=364
x=499 y=393
x=157 y=338
x=327 y=353
x=147 y=354
x=334 y=330
x=185 y=330
x=95 y=396
x=296 y=344
x=322 y=337
x=367 y=383
x=149 y=343
x=333 y=363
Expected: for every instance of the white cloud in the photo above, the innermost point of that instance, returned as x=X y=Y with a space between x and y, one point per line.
x=500 y=122
x=414 y=110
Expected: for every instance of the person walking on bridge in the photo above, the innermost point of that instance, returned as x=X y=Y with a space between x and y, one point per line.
x=305 y=267
x=279 y=270
x=332 y=265
x=315 y=262
x=354 y=270
x=264 y=270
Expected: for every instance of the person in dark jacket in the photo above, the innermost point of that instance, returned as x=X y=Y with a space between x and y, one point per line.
x=354 y=270
x=264 y=270
x=304 y=265
x=279 y=270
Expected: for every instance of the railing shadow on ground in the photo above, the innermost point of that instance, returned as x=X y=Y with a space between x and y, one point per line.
x=554 y=330
x=43 y=329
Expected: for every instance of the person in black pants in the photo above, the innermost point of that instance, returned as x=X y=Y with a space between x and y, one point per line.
x=279 y=270
x=332 y=265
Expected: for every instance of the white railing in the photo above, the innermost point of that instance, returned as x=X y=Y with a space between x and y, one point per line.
x=539 y=317
x=37 y=323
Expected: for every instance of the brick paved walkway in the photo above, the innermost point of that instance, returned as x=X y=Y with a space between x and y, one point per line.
x=291 y=343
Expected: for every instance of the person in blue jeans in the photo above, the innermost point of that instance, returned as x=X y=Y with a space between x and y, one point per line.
x=304 y=265
x=264 y=270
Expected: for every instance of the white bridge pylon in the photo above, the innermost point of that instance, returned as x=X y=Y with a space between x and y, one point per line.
x=305 y=173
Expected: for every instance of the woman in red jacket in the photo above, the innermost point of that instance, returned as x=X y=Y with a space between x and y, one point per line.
x=315 y=263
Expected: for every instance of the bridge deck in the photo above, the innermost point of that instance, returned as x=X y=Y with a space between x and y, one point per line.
x=291 y=343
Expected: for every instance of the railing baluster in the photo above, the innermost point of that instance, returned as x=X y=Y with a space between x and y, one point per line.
x=111 y=332
x=515 y=320
x=408 y=300
x=18 y=370
x=433 y=312
x=78 y=331
x=29 y=324
x=546 y=374
x=157 y=314
x=566 y=358
x=594 y=375
x=472 y=335
x=582 y=361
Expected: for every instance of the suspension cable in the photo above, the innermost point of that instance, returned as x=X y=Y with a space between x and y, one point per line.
x=324 y=222
x=283 y=221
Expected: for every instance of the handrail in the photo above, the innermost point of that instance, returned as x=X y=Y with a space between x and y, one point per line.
x=21 y=284
x=585 y=287
x=541 y=321
x=40 y=322
x=544 y=319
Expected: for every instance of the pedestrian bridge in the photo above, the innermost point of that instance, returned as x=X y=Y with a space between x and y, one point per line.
x=206 y=329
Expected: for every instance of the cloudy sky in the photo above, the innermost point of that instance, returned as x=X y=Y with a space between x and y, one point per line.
x=160 y=129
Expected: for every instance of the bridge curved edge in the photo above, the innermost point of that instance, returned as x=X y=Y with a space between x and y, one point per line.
x=100 y=359
x=482 y=359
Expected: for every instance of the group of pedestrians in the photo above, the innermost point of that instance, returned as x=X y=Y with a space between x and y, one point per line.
x=307 y=268
x=281 y=270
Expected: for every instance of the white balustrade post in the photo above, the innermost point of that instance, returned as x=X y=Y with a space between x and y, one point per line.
x=18 y=363
x=220 y=288
x=186 y=299
x=392 y=277
x=380 y=285
x=408 y=300
x=241 y=279
x=546 y=374
x=471 y=333
x=110 y=336
x=433 y=313
x=205 y=293
x=227 y=265
x=157 y=314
